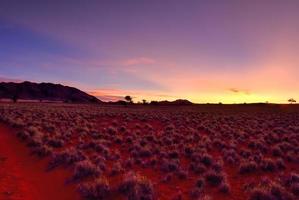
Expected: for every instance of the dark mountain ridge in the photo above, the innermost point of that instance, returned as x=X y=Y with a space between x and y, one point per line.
x=175 y=102
x=44 y=92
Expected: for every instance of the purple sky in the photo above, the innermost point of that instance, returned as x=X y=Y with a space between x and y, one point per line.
x=205 y=51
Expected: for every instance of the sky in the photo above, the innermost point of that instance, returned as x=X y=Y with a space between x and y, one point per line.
x=229 y=51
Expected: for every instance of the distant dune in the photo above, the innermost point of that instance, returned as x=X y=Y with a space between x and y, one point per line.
x=44 y=92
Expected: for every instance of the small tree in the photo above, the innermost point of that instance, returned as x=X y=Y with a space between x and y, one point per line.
x=144 y=101
x=291 y=100
x=15 y=98
x=129 y=99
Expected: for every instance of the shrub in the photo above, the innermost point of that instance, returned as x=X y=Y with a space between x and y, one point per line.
x=145 y=152
x=207 y=160
x=118 y=140
x=111 y=130
x=182 y=174
x=173 y=155
x=231 y=160
x=23 y=135
x=279 y=193
x=267 y=189
x=268 y=165
x=100 y=162
x=42 y=151
x=295 y=189
x=289 y=180
x=122 y=129
x=195 y=193
x=280 y=164
x=276 y=151
x=214 y=179
x=245 y=153
x=35 y=141
x=200 y=183
x=197 y=168
x=224 y=188
x=257 y=158
x=137 y=161
x=66 y=157
x=56 y=143
x=153 y=161
x=98 y=190
x=114 y=156
x=294 y=177
x=136 y=187
x=217 y=166
x=247 y=167
x=100 y=148
x=169 y=166
x=167 y=178
x=85 y=169
x=260 y=194
x=33 y=131
x=128 y=163
x=116 y=169
x=188 y=151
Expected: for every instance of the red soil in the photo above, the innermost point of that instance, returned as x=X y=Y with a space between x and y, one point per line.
x=23 y=176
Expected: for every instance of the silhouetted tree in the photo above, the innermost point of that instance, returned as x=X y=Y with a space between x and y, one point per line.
x=144 y=101
x=291 y=100
x=129 y=99
x=15 y=98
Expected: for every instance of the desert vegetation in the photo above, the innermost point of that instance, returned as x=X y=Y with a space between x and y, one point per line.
x=145 y=152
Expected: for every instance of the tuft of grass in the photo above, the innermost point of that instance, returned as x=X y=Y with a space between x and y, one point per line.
x=248 y=167
x=66 y=157
x=214 y=179
x=136 y=187
x=85 y=169
x=97 y=190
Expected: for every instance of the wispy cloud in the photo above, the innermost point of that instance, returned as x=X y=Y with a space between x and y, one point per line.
x=235 y=90
x=114 y=94
x=138 y=61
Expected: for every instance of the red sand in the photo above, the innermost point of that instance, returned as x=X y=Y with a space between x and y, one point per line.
x=23 y=176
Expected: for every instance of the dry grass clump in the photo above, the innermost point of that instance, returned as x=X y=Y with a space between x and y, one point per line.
x=97 y=190
x=85 y=169
x=248 y=167
x=136 y=187
x=214 y=179
x=66 y=157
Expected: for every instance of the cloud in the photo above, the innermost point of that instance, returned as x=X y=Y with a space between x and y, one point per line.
x=108 y=98
x=115 y=94
x=235 y=90
x=139 y=61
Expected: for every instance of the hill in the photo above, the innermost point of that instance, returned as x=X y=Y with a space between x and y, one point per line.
x=44 y=92
x=176 y=102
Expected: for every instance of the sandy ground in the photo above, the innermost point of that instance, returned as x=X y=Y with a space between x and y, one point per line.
x=23 y=176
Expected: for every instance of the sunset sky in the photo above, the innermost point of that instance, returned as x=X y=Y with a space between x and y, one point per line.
x=204 y=51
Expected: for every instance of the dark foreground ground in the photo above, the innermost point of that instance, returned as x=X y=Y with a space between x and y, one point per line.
x=72 y=151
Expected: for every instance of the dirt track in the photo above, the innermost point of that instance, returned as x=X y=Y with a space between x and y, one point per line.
x=23 y=176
